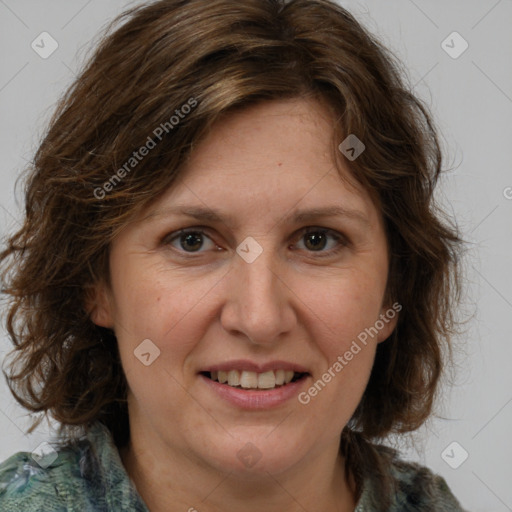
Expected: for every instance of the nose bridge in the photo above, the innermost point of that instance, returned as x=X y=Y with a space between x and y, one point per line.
x=258 y=304
x=261 y=279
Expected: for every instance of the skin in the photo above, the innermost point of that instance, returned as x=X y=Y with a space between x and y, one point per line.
x=296 y=302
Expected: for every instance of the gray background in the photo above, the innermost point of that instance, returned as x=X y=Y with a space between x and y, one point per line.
x=471 y=98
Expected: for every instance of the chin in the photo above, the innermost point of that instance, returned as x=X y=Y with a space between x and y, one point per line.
x=254 y=454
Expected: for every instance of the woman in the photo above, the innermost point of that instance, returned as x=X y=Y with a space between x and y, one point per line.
x=232 y=280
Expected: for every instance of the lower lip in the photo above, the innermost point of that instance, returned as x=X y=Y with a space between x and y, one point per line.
x=249 y=399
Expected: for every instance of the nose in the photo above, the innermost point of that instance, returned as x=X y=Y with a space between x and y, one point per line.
x=259 y=303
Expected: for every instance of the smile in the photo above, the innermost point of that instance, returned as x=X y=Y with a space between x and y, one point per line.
x=250 y=380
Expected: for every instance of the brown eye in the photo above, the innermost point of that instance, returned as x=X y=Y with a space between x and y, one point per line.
x=189 y=241
x=315 y=241
x=323 y=241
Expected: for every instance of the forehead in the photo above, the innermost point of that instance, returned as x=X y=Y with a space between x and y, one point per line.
x=268 y=135
x=270 y=158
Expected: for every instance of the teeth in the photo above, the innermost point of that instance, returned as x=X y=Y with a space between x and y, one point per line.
x=267 y=380
x=233 y=378
x=280 y=377
x=248 y=380
x=253 y=380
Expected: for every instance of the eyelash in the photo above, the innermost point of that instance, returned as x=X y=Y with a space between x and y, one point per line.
x=341 y=240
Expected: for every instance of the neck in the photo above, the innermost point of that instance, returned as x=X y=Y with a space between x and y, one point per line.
x=176 y=482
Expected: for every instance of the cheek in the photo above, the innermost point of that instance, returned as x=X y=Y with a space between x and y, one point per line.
x=341 y=332
x=170 y=311
x=341 y=307
x=150 y=303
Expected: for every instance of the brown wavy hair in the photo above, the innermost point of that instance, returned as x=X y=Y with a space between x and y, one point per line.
x=224 y=56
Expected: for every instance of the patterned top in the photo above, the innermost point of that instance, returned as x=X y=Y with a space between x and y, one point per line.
x=89 y=477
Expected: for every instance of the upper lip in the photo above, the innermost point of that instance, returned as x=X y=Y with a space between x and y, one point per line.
x=251 y=366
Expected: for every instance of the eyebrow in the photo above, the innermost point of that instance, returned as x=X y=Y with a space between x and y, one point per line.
x=306 y=215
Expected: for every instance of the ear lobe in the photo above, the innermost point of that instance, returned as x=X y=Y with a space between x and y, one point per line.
x=387 y=321
x=98 y=307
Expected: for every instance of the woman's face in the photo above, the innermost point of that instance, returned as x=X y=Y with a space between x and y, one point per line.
x=279 y=270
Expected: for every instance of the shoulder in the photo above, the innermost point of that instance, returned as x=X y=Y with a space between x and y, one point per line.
x=416 y=488
x=84 y=474
x=419 y=488
x=37 y=485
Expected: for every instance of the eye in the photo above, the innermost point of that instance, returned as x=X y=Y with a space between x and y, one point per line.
x=190 y=241
x=320 y=239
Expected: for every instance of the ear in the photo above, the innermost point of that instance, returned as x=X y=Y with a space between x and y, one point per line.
x=98 y=306
x=387 y=321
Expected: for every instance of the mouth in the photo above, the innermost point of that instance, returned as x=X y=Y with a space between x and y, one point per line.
x=254 y=381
